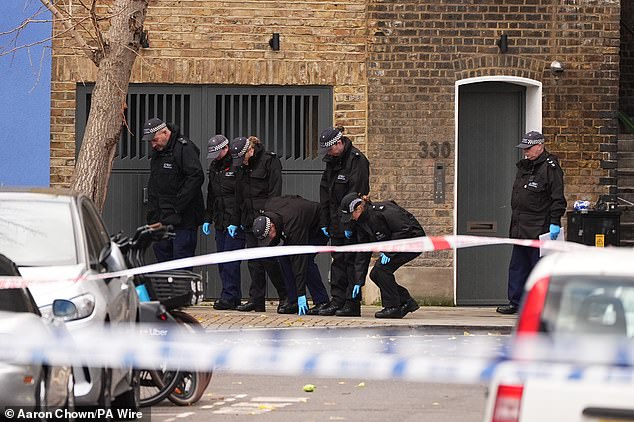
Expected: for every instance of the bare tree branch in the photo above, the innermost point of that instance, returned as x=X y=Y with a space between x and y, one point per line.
x=95 y=24
x=88 y=50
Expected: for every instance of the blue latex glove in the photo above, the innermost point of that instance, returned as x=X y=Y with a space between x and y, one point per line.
x=232 y=230
x=302 y=305
x=554 y=231
x=384 y=258
x=348 y=233
x=325 y=231
x=206 y=228
x=355 y=290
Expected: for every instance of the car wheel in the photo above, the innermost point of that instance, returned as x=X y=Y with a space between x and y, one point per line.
x=70 y=397
x=41 y=398
x=131 y=399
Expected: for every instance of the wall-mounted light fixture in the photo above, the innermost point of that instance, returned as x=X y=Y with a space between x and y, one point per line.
x=144 y=40
x=274 y=42
x=556 y=67
x=503 y=43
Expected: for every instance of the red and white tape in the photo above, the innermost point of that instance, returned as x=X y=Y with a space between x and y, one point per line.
x=417 y=244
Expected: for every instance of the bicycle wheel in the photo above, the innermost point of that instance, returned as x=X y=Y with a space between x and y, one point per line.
x=156 y=385
x=194 y=384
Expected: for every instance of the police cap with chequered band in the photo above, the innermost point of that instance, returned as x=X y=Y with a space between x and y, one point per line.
x=151 y=127
x=239 y=146
x=530 y=139
x=215 y=145
x=328 y=138
x=262 y=229
x=348 y=204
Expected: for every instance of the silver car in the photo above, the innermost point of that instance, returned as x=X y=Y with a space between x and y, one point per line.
x=53 y=234
x=34 y=386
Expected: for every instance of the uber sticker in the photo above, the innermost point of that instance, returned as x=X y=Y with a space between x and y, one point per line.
x=533 y=185
x=342 y=178
x=167 y=165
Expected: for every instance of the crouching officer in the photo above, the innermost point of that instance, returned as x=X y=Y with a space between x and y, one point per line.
x=376 y=223
x=174 y=189
x=220 y=205
x=537 y=205
x=259 y=177
x=295 y=221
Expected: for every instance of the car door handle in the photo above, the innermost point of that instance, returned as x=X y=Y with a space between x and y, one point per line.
x=609 y=413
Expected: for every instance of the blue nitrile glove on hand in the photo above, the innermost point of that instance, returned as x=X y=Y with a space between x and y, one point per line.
x=206 y=227
x=325 y=231
x=232 y=230
x=554 y=231
x=348 y=234
x=302 y=305
x=355 y=290
x=384 y=258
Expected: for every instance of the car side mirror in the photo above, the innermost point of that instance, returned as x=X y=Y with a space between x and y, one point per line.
x=64 y=309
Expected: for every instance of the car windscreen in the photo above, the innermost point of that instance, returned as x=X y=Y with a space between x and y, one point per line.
x=37 y=233
x=16 y=300
x=589 y=305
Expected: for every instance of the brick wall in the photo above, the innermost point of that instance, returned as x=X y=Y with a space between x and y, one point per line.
x=208 y=42
x=626 y=88
x=418 y=50
x=393 y=67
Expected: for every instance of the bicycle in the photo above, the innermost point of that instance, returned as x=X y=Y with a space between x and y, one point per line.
x=162 y=294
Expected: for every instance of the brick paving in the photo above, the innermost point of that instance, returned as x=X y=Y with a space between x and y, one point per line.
x=481 y=318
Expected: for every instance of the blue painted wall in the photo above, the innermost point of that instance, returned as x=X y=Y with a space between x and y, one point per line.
x=25 y=96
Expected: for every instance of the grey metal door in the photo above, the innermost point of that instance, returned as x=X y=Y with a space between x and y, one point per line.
x=286 y=119
x=490 y=124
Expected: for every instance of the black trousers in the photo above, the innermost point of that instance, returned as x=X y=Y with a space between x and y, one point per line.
x=257 y=269
x=523 y=259
x=341 y=274
x=392 y=293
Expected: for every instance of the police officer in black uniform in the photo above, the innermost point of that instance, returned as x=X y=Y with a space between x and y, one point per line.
x=537 y=205
x=174 y=189
x=259 y=177
x=347 y=170
x=295 y=221
x=379 y=222
x=220 y=206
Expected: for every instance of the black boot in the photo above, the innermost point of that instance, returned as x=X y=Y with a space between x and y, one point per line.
x=389 y=312
x=509 y=309
x=316 y=308
x=328 y=310
x=285 y=307
x=224 y=305
x=349 y=309
x=409 y=306
x=251 y=306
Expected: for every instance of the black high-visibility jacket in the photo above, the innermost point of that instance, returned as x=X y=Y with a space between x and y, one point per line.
x=174 y=189
x=221 y=192
x=381 y=221
x=537 y=200
x=297 y=222
x=350 y=172
x=256 y=182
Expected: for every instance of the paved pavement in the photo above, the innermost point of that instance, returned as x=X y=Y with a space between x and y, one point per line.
x=426 y=318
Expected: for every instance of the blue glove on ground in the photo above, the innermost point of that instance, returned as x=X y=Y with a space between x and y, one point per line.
x=232 y=230
x=554 y=231
x=302 y=305
x=348 y=233
x=355 y=290
x=384 y=258
x=325 y=230
x=206 y=227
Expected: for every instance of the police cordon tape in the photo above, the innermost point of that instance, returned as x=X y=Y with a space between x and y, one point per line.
x=353 y=355
x=418 y=244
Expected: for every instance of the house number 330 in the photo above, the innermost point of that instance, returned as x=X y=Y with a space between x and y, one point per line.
x=435 y=149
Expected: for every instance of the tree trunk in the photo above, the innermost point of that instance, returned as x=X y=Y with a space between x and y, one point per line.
x=103 y=129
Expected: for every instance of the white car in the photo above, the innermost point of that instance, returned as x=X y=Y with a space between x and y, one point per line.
x=57 y=235
x=585 y=298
